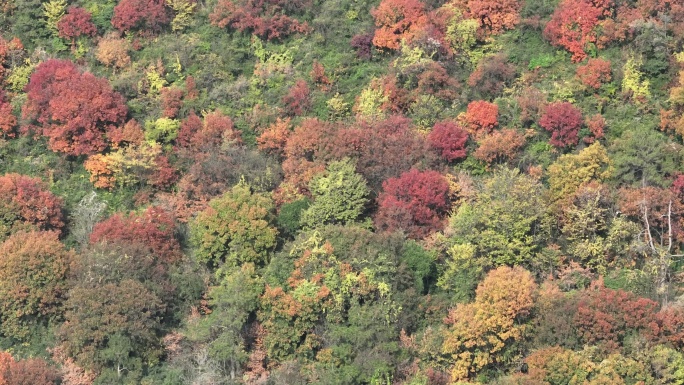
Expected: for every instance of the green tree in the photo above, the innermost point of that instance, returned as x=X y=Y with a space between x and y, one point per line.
x=223 y=330
x=235 y=228
x=644 y=157
x=505 y=221
x=340 y=195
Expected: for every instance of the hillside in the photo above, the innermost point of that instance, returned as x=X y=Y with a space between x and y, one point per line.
x=405 y=192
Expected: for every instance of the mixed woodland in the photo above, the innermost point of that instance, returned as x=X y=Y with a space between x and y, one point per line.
x=376 y=192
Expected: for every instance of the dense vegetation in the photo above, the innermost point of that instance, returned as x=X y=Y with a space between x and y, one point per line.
x=282 y=192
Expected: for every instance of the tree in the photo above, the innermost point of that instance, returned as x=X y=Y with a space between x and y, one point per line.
x=298 y=99
x=223 y=329
x=112 y=327
x=571 y=171
x=494 y=16
x=416 y=202
x=504 y=221
x=595 y=73
x=563 y=121
x=575 y=25
x=33 y=269
x=481 y=117
x=26 y=202
x=269 y=19
x=153 y=229
x=32 y=371
x=340 y=196
x=144 y=15
x=235 y=228
x=274 y=138
x=449 y=139
x=480 y=333
x=112 y=51
x=8 y=122
x=74 y=110
x=499 y=146
x=76 y=23
x=397 y=20
x=644 y=157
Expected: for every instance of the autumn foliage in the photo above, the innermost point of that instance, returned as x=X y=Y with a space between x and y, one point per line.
x=33 y=371
x=481 y=117
x=595 y=73
x=495 y=16
x=416 y=202
x=478 y=333
x=269 y=19
x=77 y=22
x=449 y=139
x=398 y=20
x=33 y=270
x=154 y=229
x=499 y=146
x=74 y=110
x=26 y=201
x=563 y=121
x=146 y=15
x=8 y=122
x=576 y=24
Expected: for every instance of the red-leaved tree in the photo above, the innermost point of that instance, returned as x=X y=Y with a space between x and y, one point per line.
x=26 y=201
x=416 y=202
x=595 y=73
x=449 y=139
x=76 y=23
x=8 y=122
x=74 y=110
x=563 y=121
x=398 y=20
x=33 y=371
x=269 y=19
x=154 y=229
x=144 y=15
x=576 y=23
x=481 y=117
x=298 y=99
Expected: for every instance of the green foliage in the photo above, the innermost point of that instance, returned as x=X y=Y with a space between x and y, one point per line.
x=235 y=229
x=340 y=196
x=290 y=214
x=163 y=130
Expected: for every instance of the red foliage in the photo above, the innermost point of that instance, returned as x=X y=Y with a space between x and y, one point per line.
x=131 y=132
x=605 y=316
x=318 y=76
x=8 y=122
x=595 y=73
x=382 y=149
x=298 y=99
x=265 y=18
x=656 y=203
x=436 y=81
x=415 y=202
x=149 y=15
x=492 y=75
x=449 y=139
x=189 y=127
x=153 y=229
x=77 y=22
x=563 y=121
x=668 y=326
x=398 y=20
x=33 y=371
x=596 y=125
x=495 y=16
x=172 y=101
x=30 y=199
x=75 y=111
x=481 y=117
x=274 y=138
x=575 y=24
x=499 y=146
